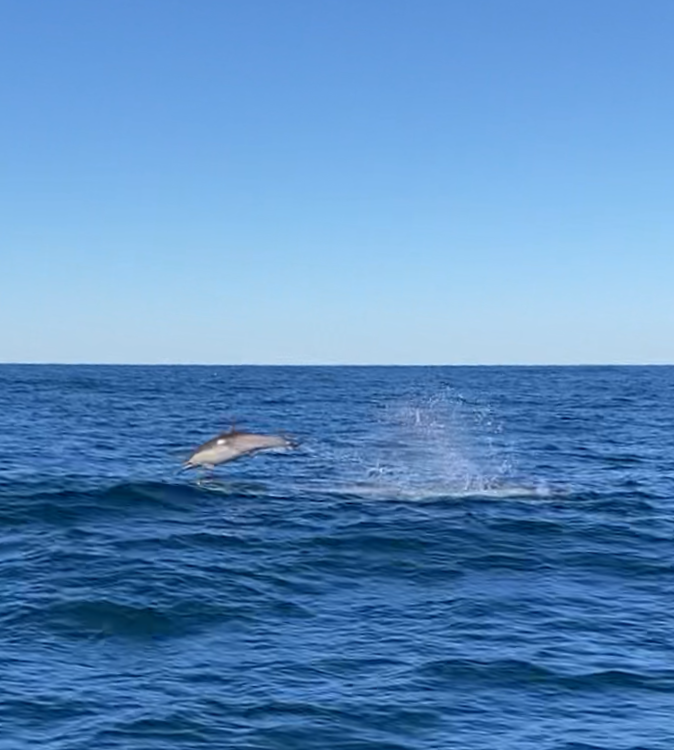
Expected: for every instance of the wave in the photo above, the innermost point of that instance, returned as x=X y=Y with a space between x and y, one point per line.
x=517 y=672
x=59 y=503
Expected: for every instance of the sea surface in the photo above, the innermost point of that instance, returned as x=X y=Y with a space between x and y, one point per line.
x=453 y=558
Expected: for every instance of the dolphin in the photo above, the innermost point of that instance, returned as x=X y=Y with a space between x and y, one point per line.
x=231 y=445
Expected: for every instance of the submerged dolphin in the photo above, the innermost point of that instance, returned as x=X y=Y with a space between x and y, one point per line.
x=231 y=445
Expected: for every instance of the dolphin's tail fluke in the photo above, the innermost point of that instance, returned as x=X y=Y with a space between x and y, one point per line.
x=291 y=440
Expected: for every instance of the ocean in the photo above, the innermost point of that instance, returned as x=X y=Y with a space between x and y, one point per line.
x=453 y=558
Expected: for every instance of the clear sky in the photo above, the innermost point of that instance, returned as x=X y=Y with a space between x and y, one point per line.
x=337 y=181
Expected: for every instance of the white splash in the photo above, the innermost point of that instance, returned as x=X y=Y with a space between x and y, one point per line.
x=436 y=446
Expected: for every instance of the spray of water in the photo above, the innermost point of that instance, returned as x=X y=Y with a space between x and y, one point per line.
x=439 y=444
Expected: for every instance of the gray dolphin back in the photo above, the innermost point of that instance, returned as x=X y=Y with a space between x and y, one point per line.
x=231 y=445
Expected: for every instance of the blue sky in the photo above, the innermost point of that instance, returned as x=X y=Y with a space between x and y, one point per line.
x=337 y=181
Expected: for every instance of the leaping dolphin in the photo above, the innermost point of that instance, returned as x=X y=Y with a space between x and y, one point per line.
x=231 y=445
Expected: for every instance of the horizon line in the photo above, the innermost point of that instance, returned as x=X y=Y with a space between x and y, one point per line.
x=336 y=364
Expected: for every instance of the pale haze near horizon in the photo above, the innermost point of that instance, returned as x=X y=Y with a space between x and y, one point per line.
x=337 y=182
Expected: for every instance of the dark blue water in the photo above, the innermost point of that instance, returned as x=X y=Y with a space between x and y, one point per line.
x=470 y=558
